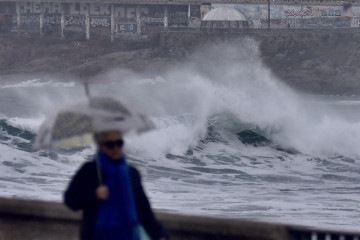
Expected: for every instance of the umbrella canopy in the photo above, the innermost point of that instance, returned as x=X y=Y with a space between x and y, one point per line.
x=75 y=125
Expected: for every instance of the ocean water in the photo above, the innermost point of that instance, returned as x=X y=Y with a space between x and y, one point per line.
x=307 y=172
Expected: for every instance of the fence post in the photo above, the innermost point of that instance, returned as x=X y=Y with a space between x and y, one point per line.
x=41 y=18
x=112 y=26
x=166 y=17
x=62 y=20
x=138 y=19
x=87 y=21
x=269 y=16
x=18 y=16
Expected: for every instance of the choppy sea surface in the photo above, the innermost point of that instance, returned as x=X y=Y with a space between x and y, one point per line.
x=195 y=162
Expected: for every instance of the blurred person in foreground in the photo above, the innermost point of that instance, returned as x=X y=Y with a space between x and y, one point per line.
x=110 y=193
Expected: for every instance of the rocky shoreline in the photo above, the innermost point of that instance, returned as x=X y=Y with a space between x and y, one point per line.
x=328 y=67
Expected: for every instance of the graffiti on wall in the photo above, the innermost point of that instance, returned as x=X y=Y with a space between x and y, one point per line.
x=100 y=22
x=293 y=16
x=255 y=12
x=75 y=21
x=153 y=20
x=35 y=8
x=309 y=23
x=355 y=22
x=152 y=17
x=313 y=12
x=126 y=28
x=30 y=20
x=52 y=19
x=33 y=20
x=178 y=16
x=326 y=22
x=307 y=12
x=178 y=19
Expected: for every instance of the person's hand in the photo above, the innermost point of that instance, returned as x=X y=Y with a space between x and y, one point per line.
x=102 y=192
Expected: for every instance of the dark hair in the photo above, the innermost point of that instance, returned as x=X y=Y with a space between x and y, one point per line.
x=99 y=136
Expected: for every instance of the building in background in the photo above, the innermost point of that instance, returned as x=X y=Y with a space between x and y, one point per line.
x=146 y=18
x=224 y=18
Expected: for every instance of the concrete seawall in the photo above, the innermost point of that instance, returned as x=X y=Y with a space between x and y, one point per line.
x=24 y=219
x=192 y=39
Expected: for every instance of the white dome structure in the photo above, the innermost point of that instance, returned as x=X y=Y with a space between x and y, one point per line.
x=224 y=14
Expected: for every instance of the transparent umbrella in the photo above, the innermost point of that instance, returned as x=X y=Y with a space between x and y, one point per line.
x=75 y=125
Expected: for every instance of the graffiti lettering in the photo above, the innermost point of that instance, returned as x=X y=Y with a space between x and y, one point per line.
x=309 y=23
x=178 y=18
x=75 y=20
x=299 y=13
x=53 y=19
x=329 y=12
x=30 y=20
x=152 y=20
x=99 y=22
x=127 y=28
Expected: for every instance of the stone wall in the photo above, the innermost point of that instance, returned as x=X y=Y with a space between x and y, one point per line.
x=192 y=39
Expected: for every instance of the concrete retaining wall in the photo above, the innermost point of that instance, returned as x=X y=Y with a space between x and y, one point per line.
x=269 y=37
x=24 y=219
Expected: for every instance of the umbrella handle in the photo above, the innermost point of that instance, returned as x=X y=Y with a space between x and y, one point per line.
x=98 y=168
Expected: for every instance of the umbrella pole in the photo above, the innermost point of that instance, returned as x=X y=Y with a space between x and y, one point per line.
x=98 y=168
x=87 y=89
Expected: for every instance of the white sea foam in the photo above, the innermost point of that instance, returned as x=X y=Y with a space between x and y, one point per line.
x=31 y=124
x=39 y=83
